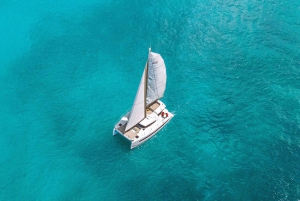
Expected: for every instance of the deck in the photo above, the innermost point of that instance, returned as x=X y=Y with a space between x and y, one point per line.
x=152 y=107
x=135 y=130
x=131 y=133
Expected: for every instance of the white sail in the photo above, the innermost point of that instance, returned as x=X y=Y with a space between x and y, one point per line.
x=157 y=77
x=138 y=111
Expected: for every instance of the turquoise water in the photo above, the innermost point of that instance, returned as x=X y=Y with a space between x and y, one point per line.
x=70 y=69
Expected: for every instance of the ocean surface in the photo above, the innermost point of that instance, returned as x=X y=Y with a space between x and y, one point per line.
x=70 y=69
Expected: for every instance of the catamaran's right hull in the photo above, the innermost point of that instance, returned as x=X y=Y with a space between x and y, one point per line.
x=152 y=132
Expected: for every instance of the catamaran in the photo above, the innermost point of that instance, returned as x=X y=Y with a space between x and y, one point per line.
x=148 y=114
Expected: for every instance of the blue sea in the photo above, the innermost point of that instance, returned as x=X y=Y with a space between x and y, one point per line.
x=70 y=69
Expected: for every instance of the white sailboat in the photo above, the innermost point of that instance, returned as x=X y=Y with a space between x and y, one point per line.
x=148 y=114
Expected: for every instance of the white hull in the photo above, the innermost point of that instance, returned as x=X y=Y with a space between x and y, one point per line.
x=147 y=128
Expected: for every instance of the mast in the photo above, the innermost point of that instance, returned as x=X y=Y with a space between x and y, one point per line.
x=146 y=77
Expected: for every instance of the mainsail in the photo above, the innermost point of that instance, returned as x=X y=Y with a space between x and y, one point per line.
x=157 y=78
x=138 y=111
